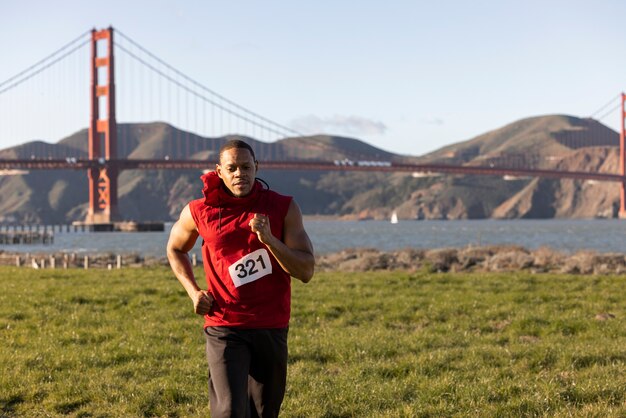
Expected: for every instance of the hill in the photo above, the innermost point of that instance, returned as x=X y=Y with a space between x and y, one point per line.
x=552 y=141
x=540 y=136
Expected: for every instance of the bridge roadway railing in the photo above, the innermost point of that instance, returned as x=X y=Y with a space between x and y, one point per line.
x=165 y=164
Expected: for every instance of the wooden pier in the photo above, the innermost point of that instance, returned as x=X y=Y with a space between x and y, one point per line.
x=125 y=226
x=26 y=237
x=44 y=234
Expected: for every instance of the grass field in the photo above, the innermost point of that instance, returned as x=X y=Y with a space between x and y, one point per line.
x=391 y=344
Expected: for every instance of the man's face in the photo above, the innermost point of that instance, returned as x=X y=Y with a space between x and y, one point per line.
x=237 y=169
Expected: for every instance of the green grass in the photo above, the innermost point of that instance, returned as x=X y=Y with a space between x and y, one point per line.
x=388 y=344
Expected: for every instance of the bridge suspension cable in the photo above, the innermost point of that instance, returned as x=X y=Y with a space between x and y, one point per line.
x=220 y=106
x=45 y=102
x=200 y=91
x=603 y=108
x=152 y=84
x=44 y=63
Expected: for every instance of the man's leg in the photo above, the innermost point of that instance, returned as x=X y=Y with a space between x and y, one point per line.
x=268 y=371
x=228 y=355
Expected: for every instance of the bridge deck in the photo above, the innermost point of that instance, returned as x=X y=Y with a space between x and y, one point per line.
x=85 y=164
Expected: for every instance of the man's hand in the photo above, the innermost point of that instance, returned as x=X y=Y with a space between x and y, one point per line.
x=260 y=225
x=202 y=302
x=294 y=252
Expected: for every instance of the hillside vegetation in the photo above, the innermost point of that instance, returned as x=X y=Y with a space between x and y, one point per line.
x=544 y=142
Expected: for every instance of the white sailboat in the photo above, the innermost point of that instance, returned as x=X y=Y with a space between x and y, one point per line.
x=394 y=217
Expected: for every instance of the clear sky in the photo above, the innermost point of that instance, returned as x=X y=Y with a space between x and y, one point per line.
x=405 y=76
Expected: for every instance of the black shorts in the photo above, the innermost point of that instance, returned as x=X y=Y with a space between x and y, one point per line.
x=247 y=371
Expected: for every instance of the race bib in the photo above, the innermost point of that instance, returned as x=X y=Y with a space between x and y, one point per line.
x=250 y=267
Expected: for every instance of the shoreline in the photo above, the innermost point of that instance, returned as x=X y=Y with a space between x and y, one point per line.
x=495 y=258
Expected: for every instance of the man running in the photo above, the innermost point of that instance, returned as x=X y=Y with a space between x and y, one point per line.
x=254 y=241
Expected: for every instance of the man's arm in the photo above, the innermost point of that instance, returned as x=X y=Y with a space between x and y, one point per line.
x=182 y=239
x=295 y=254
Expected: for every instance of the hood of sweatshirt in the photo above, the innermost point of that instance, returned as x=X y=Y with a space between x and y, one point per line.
x=215 y=193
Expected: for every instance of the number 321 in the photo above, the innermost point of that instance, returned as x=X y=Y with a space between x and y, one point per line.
x=251 y=266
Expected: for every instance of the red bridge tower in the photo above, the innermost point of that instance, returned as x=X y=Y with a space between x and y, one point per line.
x=622 y=160
x=102 y=132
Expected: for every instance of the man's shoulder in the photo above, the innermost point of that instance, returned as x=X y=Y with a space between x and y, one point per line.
x=281 y=200
x=195 y=203
x=198 y=206
x=276 y=195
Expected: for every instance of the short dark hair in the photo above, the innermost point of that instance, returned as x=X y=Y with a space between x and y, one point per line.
x=236 y=143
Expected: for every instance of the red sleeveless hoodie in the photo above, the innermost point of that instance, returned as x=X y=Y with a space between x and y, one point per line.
x=250 y=288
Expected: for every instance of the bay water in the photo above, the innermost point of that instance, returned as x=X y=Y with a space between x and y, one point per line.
x=601 y=235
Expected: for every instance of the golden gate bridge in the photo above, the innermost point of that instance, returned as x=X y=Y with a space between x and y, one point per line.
x=171 y=95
